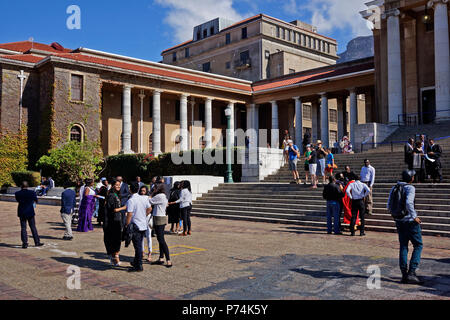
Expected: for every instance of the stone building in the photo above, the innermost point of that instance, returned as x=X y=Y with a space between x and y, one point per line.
x=412 y=60
x=256 y=48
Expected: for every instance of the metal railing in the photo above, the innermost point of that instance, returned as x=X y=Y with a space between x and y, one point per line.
x=414 y=119
x=392 y=143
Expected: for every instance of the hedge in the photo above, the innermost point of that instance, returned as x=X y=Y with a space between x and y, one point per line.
x=146 y=166
x=33 y=178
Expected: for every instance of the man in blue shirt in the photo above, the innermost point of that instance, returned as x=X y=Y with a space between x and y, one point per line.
x=294 y=154
x=25 y=211
x=68 y=203
x=408 y=229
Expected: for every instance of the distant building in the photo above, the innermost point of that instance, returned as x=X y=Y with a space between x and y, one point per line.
x=256 y=48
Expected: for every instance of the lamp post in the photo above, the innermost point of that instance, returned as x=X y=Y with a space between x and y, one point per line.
x=230 y=138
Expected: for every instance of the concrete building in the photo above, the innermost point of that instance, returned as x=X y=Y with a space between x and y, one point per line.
x=412 y=60
x=254 y=49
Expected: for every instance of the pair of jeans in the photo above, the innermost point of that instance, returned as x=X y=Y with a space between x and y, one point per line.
x=357 y=205
x=333 y=212
x=148 y=235
x=137 y=243
x=320 y=167
x=163 y=248
x=409 y=231
x=23 y=230
x=186 y=216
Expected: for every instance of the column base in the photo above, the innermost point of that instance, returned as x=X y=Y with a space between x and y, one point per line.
x=127 y=152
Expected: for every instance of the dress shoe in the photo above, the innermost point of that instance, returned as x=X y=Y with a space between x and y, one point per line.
x=132 y=269
x=362 y=235
x=404 y=277
x=412 y=278
x=40 y=244
x=24 y=246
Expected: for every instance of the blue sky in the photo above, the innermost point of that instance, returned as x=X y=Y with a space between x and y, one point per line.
x=143 y=28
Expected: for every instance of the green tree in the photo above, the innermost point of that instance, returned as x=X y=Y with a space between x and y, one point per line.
x=74 y=161
x=13 y=154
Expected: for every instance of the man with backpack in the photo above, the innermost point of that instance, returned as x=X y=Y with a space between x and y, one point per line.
x=401 y=206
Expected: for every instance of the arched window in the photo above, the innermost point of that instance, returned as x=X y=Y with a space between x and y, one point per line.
x=150 y=143
x=76 y=133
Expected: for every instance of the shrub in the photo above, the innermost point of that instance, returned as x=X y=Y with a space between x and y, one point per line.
x=74 y=161
x=13 y=154
x=33 y=178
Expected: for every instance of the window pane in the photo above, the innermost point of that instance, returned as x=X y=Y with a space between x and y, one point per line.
x=77 y=87
x=244 y=33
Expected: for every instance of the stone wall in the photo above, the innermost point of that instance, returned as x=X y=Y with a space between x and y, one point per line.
x=260 y=163
x=372 y=133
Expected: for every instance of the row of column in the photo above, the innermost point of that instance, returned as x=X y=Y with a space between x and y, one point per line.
x=324 y=120
x=156 y=121
x=442 y=60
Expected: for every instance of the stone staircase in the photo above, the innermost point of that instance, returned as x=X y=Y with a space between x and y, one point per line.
x=275 y=200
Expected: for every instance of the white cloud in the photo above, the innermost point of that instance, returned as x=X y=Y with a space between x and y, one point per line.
x=329 y=15
x=184 y=15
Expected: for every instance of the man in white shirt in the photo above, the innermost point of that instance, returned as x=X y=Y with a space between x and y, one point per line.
x=368 y=177
x=138 y=208
x=357 y=191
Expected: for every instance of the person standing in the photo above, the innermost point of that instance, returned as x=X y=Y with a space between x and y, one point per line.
x=419 y=165
x=102 y=193
x=159 y=202
x=434 y=153
x=143 y=191
x=185 y=202
x=357 y=191
x=27 y=200
x=321 y=155
x=306 y=168
x=368 y=177
x=68 y=204
x=139 y=181
x=124 y=194
x=174 y=210
x=332 y=192
x=87 y=208
x=312 y=159
x=306 y=139
x=113 y=224
x=294 y=154
x=329 y=163
x=348 y=174
x=409 y=148
x=138 y=208
x=401 y=206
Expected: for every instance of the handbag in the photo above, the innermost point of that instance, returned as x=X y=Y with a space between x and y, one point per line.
x=160 y=220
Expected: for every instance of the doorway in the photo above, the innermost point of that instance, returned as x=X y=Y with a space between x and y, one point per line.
x=428 y=106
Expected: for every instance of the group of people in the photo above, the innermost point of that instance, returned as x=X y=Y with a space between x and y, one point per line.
x=129 y=213
x=424 y=157
x=45 y=186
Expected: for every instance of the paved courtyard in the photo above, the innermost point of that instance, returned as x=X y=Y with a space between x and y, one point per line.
x=223 y=259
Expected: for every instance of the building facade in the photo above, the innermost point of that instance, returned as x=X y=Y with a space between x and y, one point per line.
x=412 y=60
x=254 y=49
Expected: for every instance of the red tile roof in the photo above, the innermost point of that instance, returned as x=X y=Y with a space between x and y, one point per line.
x=23 y=57
x=24 y=46
x=321 y=73
x=154 y=71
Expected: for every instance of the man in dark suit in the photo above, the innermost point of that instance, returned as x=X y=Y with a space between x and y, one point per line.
x=409 y=148
x=68 y=204
x=124 y=195
x=434 y=152
x=27 y=199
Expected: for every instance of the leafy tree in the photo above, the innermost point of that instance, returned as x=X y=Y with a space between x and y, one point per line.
x=13 y=154
x=74 y=161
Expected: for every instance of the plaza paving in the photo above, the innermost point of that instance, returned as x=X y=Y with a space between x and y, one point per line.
x=223 y=259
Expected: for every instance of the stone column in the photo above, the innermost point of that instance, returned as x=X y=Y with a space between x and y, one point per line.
x=126 y=121
x=275 y=133
x=324 y=131
x=232 y=123
x=208 y=123
x=395 y=94
x=342 y=108
x=353 y=114
x=141 y=123
x=298 y=123
x=315 y=121
x=184 y=122
x=156 y=123
x=442 y=58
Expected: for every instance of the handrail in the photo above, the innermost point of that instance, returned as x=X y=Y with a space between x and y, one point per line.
x=406 y=119
x=394 y=142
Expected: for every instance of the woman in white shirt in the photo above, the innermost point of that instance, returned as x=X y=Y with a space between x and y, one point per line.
x=185 y=202
x=159 y=202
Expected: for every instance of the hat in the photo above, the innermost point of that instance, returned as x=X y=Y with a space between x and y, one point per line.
x=103 y=179
x=290 y=141
x=319 y=142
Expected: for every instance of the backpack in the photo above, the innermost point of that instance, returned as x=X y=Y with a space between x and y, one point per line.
x=397 y=202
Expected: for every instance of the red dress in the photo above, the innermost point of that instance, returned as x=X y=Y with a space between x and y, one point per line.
x=348 y=207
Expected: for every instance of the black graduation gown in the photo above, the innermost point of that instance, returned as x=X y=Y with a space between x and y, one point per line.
x=113 y=224
x=174 y=210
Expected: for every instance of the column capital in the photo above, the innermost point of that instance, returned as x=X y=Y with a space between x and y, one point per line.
x=184 y=96
x=208 y=99
x=432 y=3
x=127 y=87
x=157 y=92
x=323 y=94
x=390 y=13
x=296 y=98
x=351 y=90
x=273 y=102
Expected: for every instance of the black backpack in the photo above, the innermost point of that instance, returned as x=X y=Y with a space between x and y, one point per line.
x=397 y=202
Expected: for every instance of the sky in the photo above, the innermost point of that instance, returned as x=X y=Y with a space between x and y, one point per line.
x=144 y=28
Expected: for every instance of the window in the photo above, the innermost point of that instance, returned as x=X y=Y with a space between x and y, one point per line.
x=211 y=31
x=206 y=67
x=150 y=143
x=289 y=35
x=76 y=133
x=291 y=71
x=244 y=33
x=333 y=137
x=199 y=35
x=150 y=113
x=177 y=110
x=205 y=33
x=186 y=53
x=228 y=38
x=278 y=32
x=76 y=87
x=174 y=57
x=245 y=57
x=283 y=34
x=333 y=115
x=227 y=65
x=307 y=112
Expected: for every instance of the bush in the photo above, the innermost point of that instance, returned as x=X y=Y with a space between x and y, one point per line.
x=33 y=178
x=147 y=166
x=13 y=155
x=72 y=162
